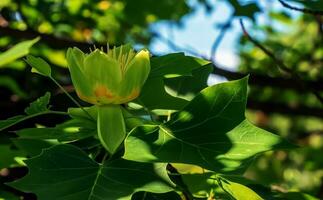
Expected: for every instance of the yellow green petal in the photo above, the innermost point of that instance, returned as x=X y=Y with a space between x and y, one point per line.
x=136 y=74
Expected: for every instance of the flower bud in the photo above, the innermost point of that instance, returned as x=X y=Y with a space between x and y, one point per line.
x=113 y=77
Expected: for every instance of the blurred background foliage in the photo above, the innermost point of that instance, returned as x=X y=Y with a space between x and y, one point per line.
x=280 y=101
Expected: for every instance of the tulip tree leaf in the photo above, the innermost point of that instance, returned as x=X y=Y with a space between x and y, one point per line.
x=200 y=185
x=71 y=130
x=238 y=191
x=39 y=65
x=40 y=105
x=5 y=195
x=7 y=155
x=17 y=51
x=177 y=65
x=154 y=196
x=65 y=172
x=187 y=87
x=10 y=121
x=8 y=152
x=31 y=147
x=211 y=132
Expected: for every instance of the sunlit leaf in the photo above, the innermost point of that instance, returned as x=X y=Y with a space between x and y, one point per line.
x=238 y=191
x=39 y=65
x=18 y=51
x=211 y=132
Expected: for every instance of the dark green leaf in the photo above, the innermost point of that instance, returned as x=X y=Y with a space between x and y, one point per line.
x=154 y=196
x=211 y=131
x=7 y=156
x=6 y=195
x=153 y=94
x=8 y=152
x=64 y=172
x=187 y=87
x=71 y=130
x=31 y=147
x=38 y=106
x=11 y=121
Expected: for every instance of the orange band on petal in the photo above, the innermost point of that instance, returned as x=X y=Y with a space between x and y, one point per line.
x=102 y=91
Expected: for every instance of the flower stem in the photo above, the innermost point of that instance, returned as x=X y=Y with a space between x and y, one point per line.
x=70 y=97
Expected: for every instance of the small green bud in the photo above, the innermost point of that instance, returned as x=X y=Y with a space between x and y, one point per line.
x=113 y=77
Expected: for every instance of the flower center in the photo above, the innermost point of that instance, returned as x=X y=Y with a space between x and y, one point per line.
x=123 y=58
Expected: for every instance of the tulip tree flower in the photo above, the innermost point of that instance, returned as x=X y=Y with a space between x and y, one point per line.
x=108 y=79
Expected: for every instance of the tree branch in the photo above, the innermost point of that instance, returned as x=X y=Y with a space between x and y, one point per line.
x=263 y=80
x=270 y=107
x=51 y=40
x=218 y=40
x=255 y=79
x=280 y=64
x=304 y=10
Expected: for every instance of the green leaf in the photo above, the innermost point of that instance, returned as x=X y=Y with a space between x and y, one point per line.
x=6 y=195
x=8 y=152
x=186 y=87
x=65 y=172
x=211 y=131
x=202 y=185
x=7 y=156
x=18 y=51
x=153 y=94
x=270 y=194
x=154 y=196
x=238 y=191
x=39 y=65
x=36 y=108
x=72 y=130
x=40 y=105
x=111 y=127
x=78 y=113
x=31 y=147
x=11 y=121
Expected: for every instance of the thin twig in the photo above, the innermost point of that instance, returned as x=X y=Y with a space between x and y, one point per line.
x=219 y=39
x=72 y=99
x=279 y=63
x=304 y=10
x=176 y=47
